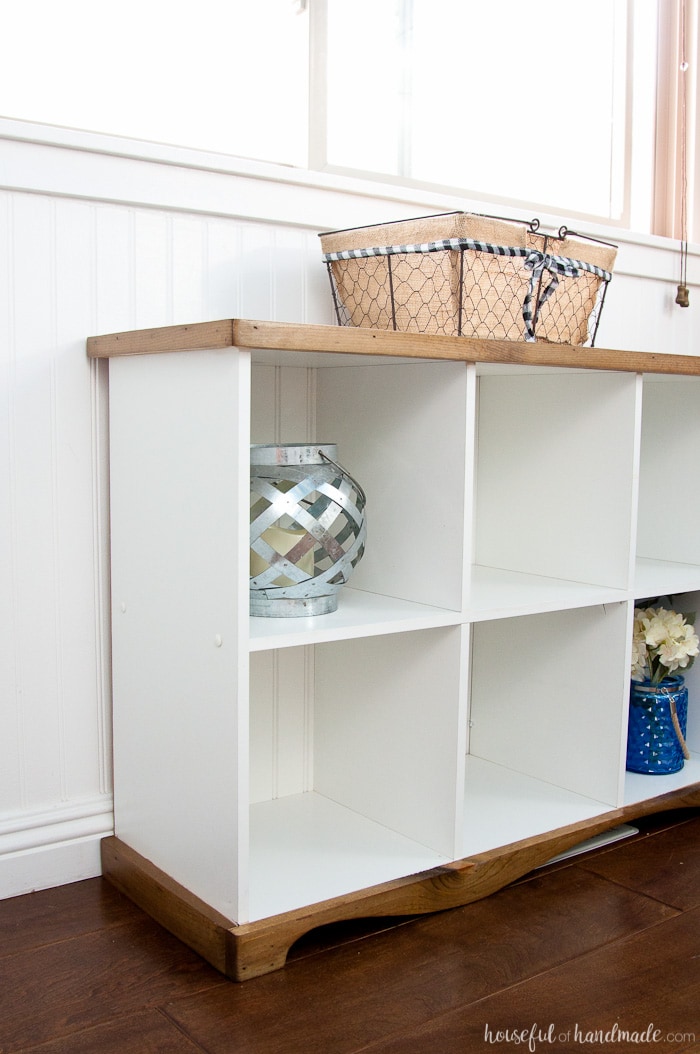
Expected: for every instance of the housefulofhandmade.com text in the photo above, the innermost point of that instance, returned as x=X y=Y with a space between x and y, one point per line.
x=538 y=1036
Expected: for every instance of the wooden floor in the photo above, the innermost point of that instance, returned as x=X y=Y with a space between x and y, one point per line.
x=608 y=943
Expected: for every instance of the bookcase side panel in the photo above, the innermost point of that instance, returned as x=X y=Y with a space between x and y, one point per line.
x=178 y=478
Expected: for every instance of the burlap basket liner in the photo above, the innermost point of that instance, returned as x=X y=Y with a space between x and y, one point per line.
x=422 y=292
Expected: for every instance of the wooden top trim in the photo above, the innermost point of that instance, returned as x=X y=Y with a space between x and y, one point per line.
x=286 y=336
x=165 y=338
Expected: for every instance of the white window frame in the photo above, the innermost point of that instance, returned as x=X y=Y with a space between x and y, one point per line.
x=651 y=125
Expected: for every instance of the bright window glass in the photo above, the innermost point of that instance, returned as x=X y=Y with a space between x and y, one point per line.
x=220 y=75
x=365 y=76
x=514 y=100
x=531 y=103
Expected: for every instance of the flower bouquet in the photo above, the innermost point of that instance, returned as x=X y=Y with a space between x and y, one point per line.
x=664 y=643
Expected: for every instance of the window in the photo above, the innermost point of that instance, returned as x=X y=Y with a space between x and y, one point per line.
x=508 y=101
x=560 y=107
x=219 y=75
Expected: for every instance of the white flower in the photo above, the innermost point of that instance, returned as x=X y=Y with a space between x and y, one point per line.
x=655 y=631
x=663 y=641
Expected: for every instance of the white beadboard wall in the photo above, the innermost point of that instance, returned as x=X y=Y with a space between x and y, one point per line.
x=95 y=239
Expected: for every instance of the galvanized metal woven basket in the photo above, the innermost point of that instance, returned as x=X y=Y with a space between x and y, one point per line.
x=307 y=529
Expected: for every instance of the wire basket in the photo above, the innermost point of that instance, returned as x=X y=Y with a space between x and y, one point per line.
x=461 y=274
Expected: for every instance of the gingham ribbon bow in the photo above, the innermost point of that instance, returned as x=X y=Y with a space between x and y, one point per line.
x=537 y=262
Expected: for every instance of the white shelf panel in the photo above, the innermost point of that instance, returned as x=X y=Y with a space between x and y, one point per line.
x=639 y=787
x=655 y=578
x=497 y=593
x=306 y=848
x=502 y=806
x=359 y=614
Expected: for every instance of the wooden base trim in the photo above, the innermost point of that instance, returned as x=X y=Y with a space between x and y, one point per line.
x=166 y=901
x=250 y=950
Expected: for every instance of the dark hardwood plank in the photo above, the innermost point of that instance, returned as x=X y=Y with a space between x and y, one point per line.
x=363 y=991
x=50 y=915
x=69 y=986
x=651 y=979
x=149 y=1032
x=665 y=864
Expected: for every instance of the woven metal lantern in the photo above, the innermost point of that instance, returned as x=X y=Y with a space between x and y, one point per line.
x=307 y=529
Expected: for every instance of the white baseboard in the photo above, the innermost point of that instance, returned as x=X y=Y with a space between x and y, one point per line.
x=53 y=848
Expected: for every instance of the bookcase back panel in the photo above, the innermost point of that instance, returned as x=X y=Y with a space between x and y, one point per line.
x=689 y=603
x=402 y=432
x=281 y=722
x=389 y=731
x=548 y=697
x=555 y=478
x=669 y=491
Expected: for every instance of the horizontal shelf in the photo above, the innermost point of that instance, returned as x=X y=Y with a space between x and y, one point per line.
x=639 y=787
x=655 y=578
x=306 y=848
x=494 y=594
x=497 y=593
x=502 y=806
x=359 y=614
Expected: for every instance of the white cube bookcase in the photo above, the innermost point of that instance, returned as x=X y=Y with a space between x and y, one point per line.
x=461 y=718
